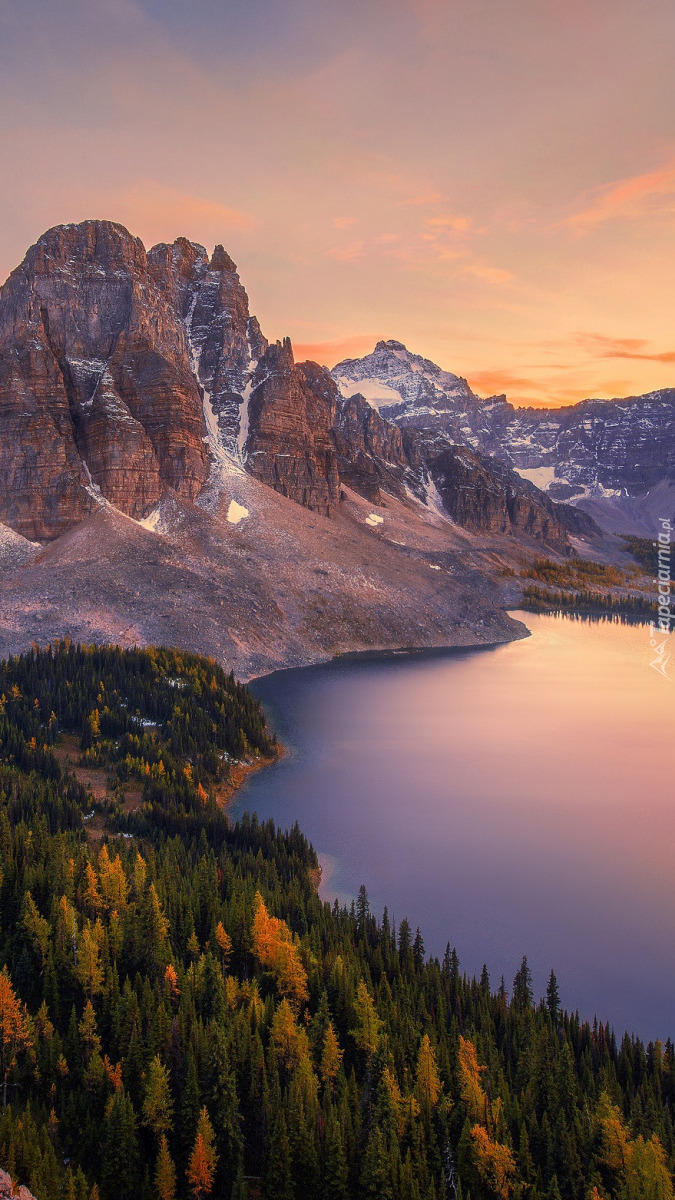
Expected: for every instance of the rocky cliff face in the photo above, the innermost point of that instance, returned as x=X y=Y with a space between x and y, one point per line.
x=479 y=499
x=374 y=455
x=595 y=448
x=224 y=341
x=97 y=398
x=288 y=444
x=126 y=374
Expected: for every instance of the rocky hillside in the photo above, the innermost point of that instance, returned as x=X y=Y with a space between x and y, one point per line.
x=9 y=1192
x=595 y=451
x=168 y=476
x=125 y=375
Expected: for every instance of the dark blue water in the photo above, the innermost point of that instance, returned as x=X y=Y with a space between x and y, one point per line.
x=511 y=801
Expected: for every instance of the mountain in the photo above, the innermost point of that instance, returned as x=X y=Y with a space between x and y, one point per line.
x=613 y=458
x=125 y=373
x=166 y=474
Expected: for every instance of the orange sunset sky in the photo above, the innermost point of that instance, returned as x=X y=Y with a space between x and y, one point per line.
x=491 y=182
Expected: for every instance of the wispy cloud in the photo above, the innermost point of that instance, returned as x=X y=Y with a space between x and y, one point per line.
x=450 y=222
x=628 y=199
x=343 y=222
x=333 y=352
x=497 y=383
x=634 y=348
x=149 y=204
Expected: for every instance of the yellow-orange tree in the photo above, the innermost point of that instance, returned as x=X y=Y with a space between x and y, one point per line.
x=15 y=1031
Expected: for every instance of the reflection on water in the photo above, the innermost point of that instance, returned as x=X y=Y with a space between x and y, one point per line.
x=515 y=800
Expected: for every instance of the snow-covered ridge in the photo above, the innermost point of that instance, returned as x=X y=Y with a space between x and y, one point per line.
x=591 y=449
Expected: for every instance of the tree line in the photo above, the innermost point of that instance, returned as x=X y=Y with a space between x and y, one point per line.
x=181 y=1015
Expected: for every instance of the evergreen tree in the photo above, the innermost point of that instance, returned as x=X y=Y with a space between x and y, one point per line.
x=120 y=1148
x=278 y=1174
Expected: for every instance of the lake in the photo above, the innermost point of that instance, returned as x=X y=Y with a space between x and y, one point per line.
x=514 y=800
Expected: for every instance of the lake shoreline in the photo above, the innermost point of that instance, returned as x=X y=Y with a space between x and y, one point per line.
x=473 y=796
x=396 y=654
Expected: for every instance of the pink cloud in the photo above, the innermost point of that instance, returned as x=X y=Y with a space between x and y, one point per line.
x=451 y=223
x=628 y=199
x=526 y=390
x=158 y=212
x=329 y=353
x=633 y=348
x=343 y=222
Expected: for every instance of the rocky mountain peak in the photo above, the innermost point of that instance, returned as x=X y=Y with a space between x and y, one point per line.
x=221 y=261
x=594 y=452
x=125 y=373
x=101 y=245
x=99 y=402
x=278 y=358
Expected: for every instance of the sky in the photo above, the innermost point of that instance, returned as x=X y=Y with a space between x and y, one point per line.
x=491 y=182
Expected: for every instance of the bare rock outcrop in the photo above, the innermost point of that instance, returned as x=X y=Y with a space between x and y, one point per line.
x=97 y=399
x=487 y=502
x=289 y=444
x=125 y=375
x=9 y=1192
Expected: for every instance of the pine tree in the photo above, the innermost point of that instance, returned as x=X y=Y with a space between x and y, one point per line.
x=552 y=997
x=335 y=1172
x=278 y=1173
x=375 y=1181
x=522 y=987
x=158 y=1103
x=120 y=1148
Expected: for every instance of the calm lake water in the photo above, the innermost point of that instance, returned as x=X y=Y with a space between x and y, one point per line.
x=512 y=801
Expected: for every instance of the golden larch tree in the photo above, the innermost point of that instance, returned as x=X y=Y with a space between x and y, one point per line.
x=368 y=1024
x=470 y=1087
x=495 y=1163
x=15 y=1031
x=331 y=1056
x=202 y=1165
x=427 y=1081
x=165 y=1172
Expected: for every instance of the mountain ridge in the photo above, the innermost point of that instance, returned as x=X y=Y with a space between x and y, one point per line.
x=595 y=450
x=167 y=475
x=124 y=373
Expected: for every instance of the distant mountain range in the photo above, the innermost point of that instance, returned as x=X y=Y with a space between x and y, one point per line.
x=153 y=445
x=614 y=458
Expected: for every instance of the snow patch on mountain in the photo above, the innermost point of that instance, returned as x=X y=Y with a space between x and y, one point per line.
x=541 y=477
x=244 y=412
x=378 y=394
x=236 y=512
x=152 y=521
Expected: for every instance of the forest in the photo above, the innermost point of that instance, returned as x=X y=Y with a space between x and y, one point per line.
x=581 y=586
x=182 y=1016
